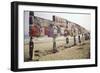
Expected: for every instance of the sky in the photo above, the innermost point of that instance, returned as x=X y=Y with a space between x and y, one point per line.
x=82 y=19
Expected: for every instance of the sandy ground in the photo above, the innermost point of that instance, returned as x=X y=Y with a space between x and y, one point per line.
x=75 y=52
x=80 y=51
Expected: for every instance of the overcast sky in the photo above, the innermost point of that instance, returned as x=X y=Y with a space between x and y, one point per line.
x=83 y=20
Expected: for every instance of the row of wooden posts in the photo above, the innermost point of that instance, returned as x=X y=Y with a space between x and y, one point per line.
x=31 y=43
x=54 y=50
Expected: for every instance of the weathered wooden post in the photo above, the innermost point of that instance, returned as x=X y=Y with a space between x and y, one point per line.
x=30 y=49
x=54 y=36
x=74 y=40
x=31 y=43
x=54 y=44
x=66 y=35
x=79 y=32
x=74 y=34
x=79 y=39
